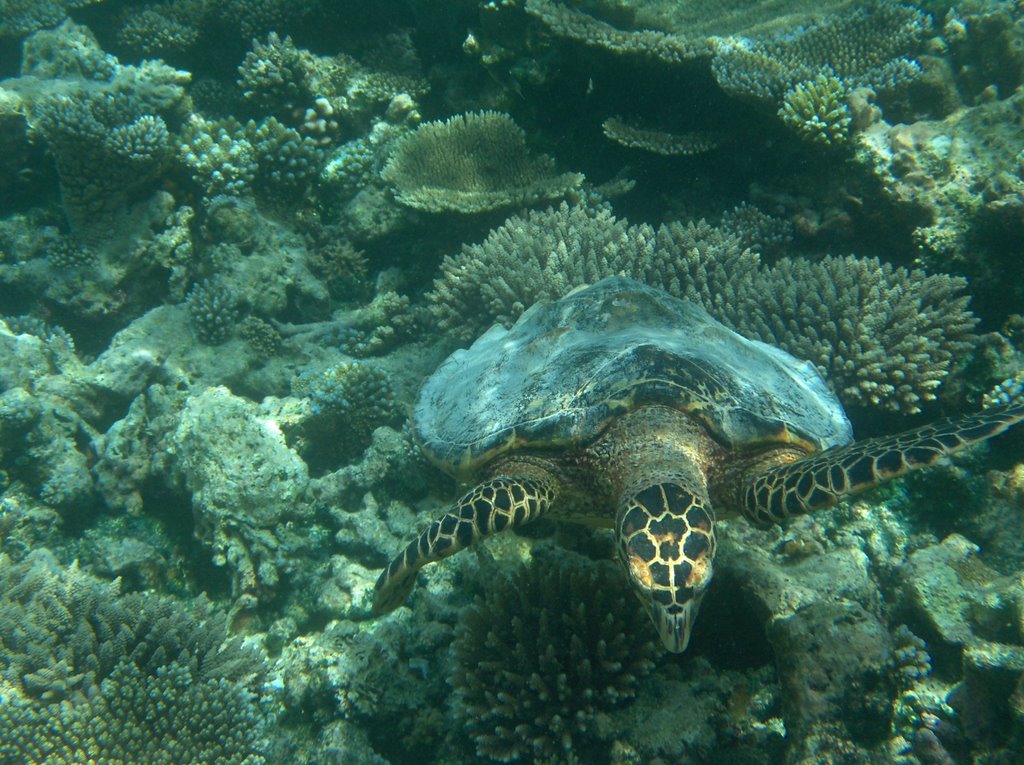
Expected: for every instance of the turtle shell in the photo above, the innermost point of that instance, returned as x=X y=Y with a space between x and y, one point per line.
x=566 y=368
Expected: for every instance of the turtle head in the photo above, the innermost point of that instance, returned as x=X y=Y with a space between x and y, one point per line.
x=665 y=537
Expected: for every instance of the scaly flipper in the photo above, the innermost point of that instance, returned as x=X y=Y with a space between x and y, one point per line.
x=495 y=505
x=823 y=479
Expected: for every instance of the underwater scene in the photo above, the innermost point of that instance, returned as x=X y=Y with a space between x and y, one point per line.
x=695 y=328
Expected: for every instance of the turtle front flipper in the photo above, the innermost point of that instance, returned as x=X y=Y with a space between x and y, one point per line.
x=495 y=505
x=823 y=479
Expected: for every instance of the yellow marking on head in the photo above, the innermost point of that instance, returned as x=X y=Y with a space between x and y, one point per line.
x=641 y=571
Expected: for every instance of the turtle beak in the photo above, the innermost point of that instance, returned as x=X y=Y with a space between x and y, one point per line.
x=674 y=624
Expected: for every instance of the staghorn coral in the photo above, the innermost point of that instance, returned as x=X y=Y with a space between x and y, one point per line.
x=540 y=656
x=882 y=336
x=472 y=163
x=817 y=110
x=867 y=47
x=91 y=675
x=657 y=141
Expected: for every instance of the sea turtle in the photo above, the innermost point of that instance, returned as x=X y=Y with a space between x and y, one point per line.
x=622 y=406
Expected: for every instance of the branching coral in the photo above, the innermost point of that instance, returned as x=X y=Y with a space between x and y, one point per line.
x=353 y=397
x=316 y=94
x=545 y=652
x=471 y=163
x=103 y=122
x=288 y=162
x=220 y=158
x=95 y=676
x=18 y=17
x=817 y=110
x=213 y=312
x=106 y=153
x=883 y=336
x=539 y=256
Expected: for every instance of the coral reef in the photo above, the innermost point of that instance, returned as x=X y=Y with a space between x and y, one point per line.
x=245 y=500
x=472 y=163
x=543 y=654
x=92 y=674
x=221 y=289
x=213 y=313
x=102 y=121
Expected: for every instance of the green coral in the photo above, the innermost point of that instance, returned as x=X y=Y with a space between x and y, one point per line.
x=472 y=163
x=882 y=336
x=92 y=675
x=817 y=110
x=543 y=654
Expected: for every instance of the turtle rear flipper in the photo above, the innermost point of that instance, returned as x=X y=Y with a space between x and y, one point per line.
x=823 y=479
x=493 y=506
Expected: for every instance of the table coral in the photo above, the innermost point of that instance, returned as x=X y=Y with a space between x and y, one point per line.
x=871 y=47
x=471 y=163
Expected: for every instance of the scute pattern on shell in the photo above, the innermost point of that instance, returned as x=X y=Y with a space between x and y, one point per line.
x=567 y=367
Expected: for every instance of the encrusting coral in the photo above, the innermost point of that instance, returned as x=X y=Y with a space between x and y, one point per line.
x=881 y=335
x=93 y=675
x=543 y=653
x=471 y=163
